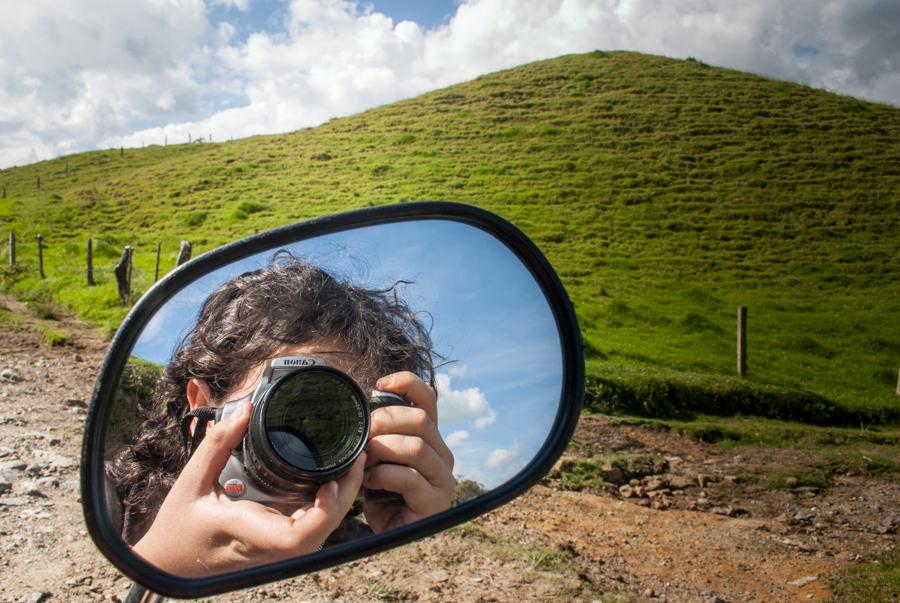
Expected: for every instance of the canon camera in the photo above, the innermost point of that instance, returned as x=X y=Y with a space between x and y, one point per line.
x=309 y=424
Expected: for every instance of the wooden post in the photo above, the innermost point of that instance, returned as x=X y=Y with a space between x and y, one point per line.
x=742 y=341
x=156 y=272
x=123 y=276
x=121 y=151
x=90 y=262
x=12 y=248
x=4 y=192
x=184 y=253
x=166 y=141
x=41 y=255
x=38 y=182
x=189 y=137
x=67 y=167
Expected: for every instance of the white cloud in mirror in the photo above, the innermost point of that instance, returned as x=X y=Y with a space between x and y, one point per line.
x=502 y=456
x=456 y=405
x=456 y=438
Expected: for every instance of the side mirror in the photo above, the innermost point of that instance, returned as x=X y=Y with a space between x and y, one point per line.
x=467 y=302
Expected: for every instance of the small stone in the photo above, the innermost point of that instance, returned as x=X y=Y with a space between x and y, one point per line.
x=703 y=480
x=37 y=596
x=11 y=375
x=716 y=599
x=680 y=483
x=12 y=502
x=31 y=489
x=14 y=465
x=5 y=484
x=74 y=403
x=48 y=482
x=801 y=582
x=62 y=462
x=648 y=593
x=77 y=357
x=790 y=482
x=626 y=491
x=655 y=484
x=731 y=479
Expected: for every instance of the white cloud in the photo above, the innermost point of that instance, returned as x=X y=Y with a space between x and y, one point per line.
x=456 y=438
x=468 y=404
x=80 y=75
x=503 y=457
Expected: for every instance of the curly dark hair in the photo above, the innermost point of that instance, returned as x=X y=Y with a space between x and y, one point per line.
x=245 y=321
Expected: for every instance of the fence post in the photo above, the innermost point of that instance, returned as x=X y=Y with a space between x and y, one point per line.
x=184 y=253
x=121 y=151
x=189 y=137
x=37 y=181
x=123 y=276
x=742 y=341
x=156 y=271
x=90 y=262
x=4 y=192
x=40 y=240
x=12 y=248
x=67 y=167
x=898 y=383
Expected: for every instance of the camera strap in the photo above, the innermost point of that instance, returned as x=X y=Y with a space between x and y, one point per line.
x=203 y=414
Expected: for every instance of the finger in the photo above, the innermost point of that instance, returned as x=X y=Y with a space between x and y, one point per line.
x=413 y=422
x=314 y=523
x=411 y=451
x=204 y=467
x=411 y=387
x=418 y=494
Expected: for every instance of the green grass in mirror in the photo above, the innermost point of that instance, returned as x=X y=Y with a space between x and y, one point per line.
x=138 y=389
x=665 y=192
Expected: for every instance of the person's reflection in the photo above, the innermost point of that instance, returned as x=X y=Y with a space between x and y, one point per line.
x=172 y=508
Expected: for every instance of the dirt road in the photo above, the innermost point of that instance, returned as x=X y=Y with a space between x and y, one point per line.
x=695 y=528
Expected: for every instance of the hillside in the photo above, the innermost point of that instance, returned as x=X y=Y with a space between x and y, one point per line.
x=665 y=192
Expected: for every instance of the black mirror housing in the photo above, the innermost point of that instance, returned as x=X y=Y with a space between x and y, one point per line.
x=105 y=534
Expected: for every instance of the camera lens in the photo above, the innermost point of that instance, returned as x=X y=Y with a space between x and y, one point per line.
x=315 y=419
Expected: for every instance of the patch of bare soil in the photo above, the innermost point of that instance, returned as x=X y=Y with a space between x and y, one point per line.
x=666 y=539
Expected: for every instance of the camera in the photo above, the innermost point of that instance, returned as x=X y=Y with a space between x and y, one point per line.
x=309 y=423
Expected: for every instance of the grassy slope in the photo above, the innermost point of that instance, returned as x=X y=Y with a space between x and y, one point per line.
x=665 y=193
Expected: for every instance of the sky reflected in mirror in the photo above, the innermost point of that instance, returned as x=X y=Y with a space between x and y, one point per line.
x=498 y=390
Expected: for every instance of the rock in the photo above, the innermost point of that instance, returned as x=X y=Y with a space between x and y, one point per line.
x=74 y=403
x=12 y=502
x=731 y=479
x=804 y=515
x=648 y=593
x=48 y=482
x=62 y=462
x=11 y=375
x=655 y=483
x=14 y=465
x=37 y=596
x=77 y=357
x=5 y=484
x=704 y=480
x=30 y=488
x=790 y=482
x=613 y=474
x=680 y=483
x=716 y=599
x=626 y=491
x=34 y=470
x=806 y=490
x=801 y=582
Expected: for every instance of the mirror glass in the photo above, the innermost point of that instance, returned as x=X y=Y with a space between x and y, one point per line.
x=497 y=372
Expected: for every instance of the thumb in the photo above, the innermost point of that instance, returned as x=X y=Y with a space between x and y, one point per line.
x=209 y=459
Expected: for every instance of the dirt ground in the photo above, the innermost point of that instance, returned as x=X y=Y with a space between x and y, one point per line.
x=696 y=527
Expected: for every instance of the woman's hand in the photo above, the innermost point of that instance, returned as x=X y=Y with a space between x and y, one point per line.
x=199 y=531
x=407 y=455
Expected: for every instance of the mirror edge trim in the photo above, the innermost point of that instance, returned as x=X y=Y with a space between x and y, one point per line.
x=571 y=395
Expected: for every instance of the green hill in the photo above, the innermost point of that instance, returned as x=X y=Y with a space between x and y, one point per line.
x=665 y=192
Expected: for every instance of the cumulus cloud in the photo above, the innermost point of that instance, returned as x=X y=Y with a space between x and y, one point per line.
x=456 y=438
x=458 y=405
x=77 y=76
x=503 y=457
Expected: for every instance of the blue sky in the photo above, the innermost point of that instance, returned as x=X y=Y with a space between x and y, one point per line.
x=499 y=396
x=88 y=74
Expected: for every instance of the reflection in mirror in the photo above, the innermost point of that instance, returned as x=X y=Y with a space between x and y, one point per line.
x=308 y=371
